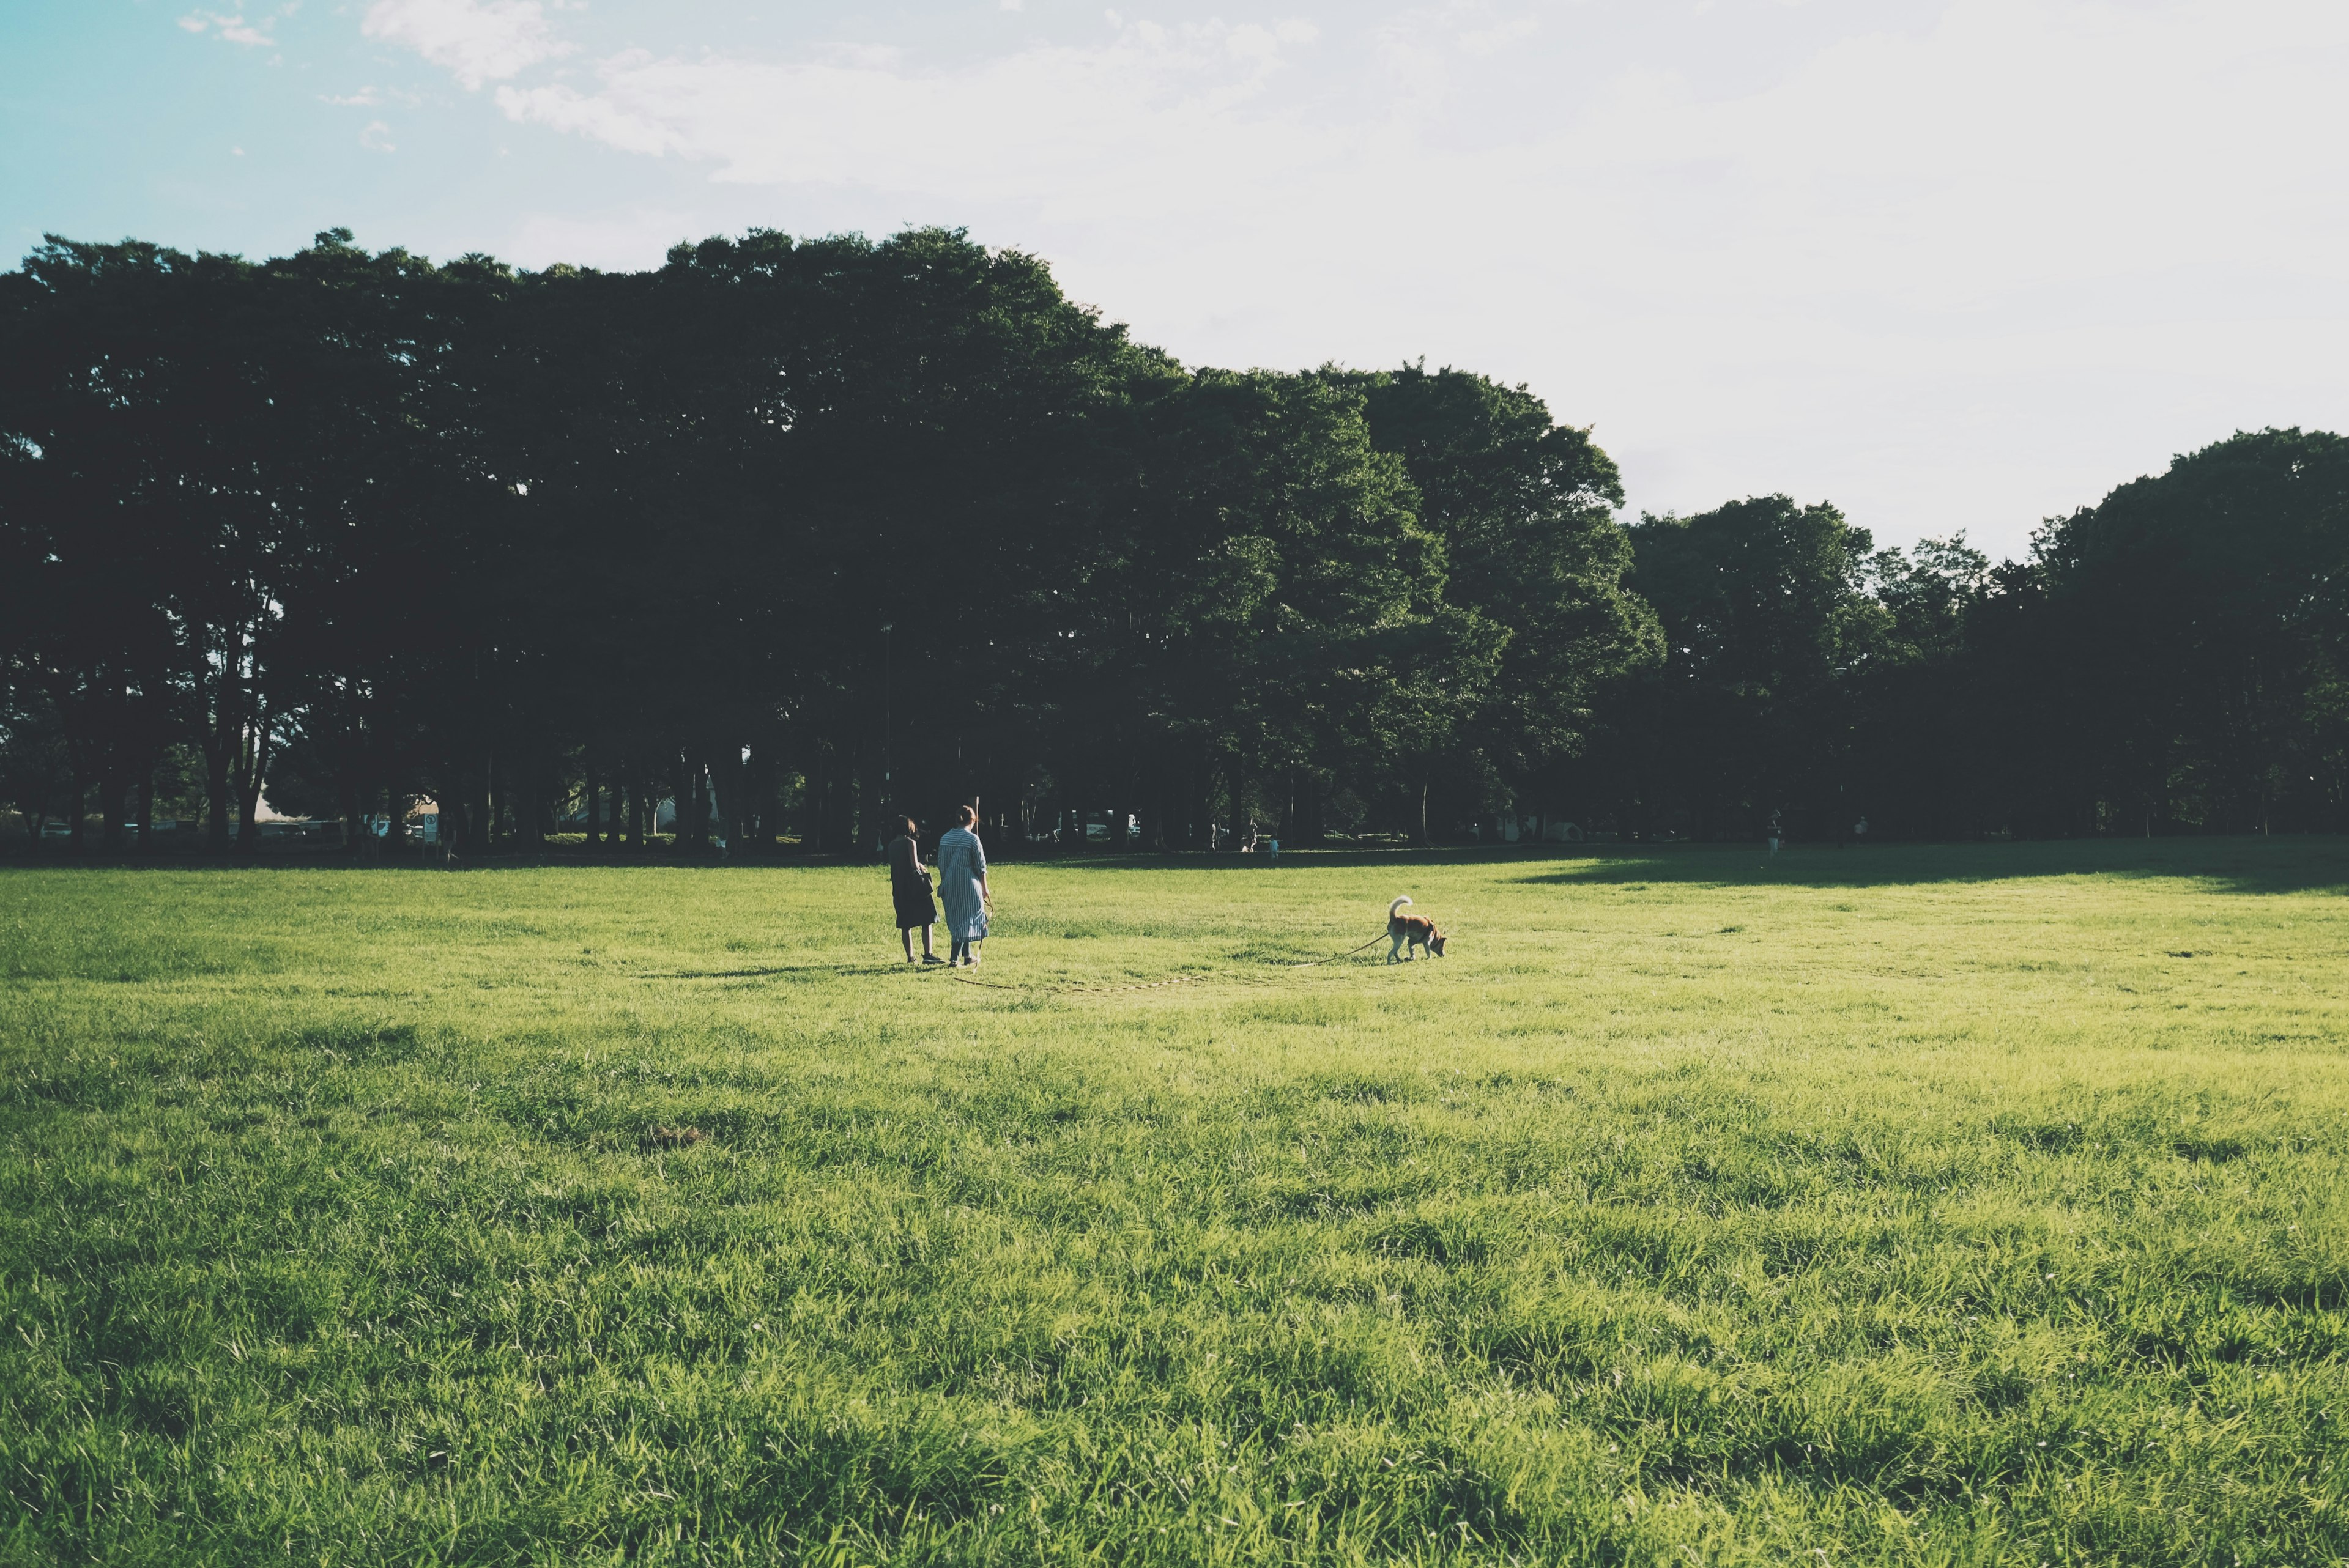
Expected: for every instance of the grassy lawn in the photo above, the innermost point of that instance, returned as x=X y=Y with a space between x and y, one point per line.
x=1911 y=1206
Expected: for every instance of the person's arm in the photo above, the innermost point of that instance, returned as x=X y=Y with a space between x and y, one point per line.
x=978 y=867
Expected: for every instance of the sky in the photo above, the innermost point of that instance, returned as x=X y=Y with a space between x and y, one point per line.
x=1953 y=265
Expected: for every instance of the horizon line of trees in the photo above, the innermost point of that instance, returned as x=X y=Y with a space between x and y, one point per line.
x=807 y=534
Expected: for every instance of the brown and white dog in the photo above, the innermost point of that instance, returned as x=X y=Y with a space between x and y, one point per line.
x=1411 y=930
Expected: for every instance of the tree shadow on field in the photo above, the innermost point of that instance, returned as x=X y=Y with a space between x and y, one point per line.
x=2308 y=863
x=2245 y=865
x=2252 y=865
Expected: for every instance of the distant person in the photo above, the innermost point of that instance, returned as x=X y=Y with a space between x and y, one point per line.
x=909 y=889
x=962 y=888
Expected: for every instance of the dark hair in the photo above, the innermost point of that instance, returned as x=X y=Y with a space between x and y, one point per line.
x=966 y=815
x=913 y=829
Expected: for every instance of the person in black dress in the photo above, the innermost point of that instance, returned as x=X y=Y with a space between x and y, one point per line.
x=909 y=888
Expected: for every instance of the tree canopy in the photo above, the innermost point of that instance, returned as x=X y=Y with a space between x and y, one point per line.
x=800 y=534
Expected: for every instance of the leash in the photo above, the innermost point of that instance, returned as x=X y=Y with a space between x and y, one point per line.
x=1079 y=985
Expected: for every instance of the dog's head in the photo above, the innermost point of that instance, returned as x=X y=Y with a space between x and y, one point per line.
x=1436 y=945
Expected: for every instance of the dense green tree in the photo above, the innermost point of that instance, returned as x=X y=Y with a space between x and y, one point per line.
x=1769 y=629
x=1538 y=568
x=2206 y=614
x=135 y=386
x=1272 y=587
x=802 y=533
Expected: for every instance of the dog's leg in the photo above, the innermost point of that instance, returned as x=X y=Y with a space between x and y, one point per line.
x=1395 y=949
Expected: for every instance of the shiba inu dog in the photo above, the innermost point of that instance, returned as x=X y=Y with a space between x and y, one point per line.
x=1411 y=932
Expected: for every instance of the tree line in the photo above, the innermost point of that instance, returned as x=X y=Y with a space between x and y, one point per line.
x=801 y=534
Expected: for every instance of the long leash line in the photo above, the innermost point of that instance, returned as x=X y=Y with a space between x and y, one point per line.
x=1153 y=985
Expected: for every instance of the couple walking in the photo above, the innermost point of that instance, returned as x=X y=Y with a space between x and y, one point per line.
x=962 y=887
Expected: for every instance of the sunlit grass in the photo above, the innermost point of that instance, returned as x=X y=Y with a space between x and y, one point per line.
x=1906 y=1206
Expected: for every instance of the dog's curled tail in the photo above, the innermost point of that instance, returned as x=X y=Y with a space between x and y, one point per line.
x=1397 y=905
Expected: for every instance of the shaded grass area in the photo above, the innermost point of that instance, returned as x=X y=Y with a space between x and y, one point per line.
x=1960 y=1205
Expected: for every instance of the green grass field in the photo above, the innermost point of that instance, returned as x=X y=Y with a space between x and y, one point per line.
x=1904 y=1206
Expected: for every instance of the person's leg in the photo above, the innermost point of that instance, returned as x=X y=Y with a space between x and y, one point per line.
x=973 y=948
x=928 y=949
x=905 y=936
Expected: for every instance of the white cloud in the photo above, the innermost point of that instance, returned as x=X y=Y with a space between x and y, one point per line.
x=365 y=97
x=476 y=41
x=234 y=29
x=1500 y=33
x=1014 y=127
x=377 y=138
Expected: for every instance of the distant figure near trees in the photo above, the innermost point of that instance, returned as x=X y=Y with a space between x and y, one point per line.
x=909 y=889
x=962 y=888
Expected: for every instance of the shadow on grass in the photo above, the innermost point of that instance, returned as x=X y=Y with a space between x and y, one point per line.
x=773 y=969
x=2246 y=865
x=2257 y=865
x=2250 y=865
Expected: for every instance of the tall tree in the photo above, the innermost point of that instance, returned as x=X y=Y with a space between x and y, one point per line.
x=1537 y=565
x=1768 y=626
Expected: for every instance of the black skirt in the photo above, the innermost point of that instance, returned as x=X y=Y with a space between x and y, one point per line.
x=915 y=905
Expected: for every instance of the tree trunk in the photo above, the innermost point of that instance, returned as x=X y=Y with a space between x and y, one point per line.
x=147 y=809
x=772 y=823
x=1146 y=830
x=1239 y=797
x=112 y=793
x=852 y=769
x=347 y=803
x=813 y=802
x=76 y=839
x=252 y=764
x=481 y=815
x=534 y=802
x=734 y=804
x=591 y=804
x=220 y=748
x=1425 y=841
x=1203 y=831
x=216 y=797
x=248 y=814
